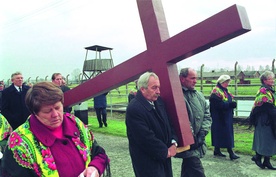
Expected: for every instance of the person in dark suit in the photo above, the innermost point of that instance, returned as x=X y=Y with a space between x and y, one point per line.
x=100 y=107
x=59 y=81
x=152 y=141
x=2 y=86
x=132 y=92
x=13 y=101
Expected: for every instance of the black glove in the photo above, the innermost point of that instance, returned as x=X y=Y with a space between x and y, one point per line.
x=233 y=104
x=195 y=145
x=199 y=140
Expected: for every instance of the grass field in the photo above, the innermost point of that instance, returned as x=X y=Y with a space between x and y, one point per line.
x=117 y=127
x=119 y=95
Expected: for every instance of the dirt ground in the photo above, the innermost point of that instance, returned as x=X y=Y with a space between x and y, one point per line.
x=117 y=150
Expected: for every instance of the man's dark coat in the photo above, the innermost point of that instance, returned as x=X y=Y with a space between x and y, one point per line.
x=150 y=136
x=13 y=105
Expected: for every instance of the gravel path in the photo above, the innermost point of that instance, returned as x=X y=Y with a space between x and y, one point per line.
x=117 y=150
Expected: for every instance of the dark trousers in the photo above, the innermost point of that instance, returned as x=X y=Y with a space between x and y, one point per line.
x=101 y=116
x=192 y=167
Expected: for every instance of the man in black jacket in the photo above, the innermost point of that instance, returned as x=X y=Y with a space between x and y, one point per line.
x=151 y=137
x=59 y=81
x=13 y=101
x=2 y=86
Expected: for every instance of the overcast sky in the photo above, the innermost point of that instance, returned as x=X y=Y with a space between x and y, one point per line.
x=39 y=38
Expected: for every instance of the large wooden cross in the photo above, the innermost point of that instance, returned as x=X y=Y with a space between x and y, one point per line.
x=161 y=57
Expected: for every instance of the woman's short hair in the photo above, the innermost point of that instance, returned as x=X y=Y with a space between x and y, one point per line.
x=144 y=79
x=265 y=75
x=43 y=93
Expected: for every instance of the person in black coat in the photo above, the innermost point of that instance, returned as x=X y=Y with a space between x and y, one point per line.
x=100 y=108
x=222 y=105
x=133 y=92
x=13 y=101
x=2 y=86
x=60 y=81
x=152 y=140
x=262 y=118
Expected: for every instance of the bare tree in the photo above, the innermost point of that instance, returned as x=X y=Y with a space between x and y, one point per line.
x=261 y=68
x=267 y=67
x=75 y=74
x=239 y=68
x=253 y=68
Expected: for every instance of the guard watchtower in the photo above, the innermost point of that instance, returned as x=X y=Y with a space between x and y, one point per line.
x=96 y=66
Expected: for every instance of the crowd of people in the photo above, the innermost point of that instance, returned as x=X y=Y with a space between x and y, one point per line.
x=60 y=144
x=44 y=138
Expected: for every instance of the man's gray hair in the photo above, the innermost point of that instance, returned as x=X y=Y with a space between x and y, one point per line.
x=16 y=73
x=184 y=72
x=144 y=79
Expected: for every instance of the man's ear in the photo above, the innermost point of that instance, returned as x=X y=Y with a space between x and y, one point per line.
x=181 y=78
x=142 y=89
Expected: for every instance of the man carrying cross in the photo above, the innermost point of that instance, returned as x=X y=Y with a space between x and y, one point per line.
x=200 y=121
x=152 y=141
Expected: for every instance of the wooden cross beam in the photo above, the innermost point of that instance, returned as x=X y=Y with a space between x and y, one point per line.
x=161 y=57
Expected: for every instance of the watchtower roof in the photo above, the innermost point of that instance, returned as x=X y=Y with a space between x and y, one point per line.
x=97 y=48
